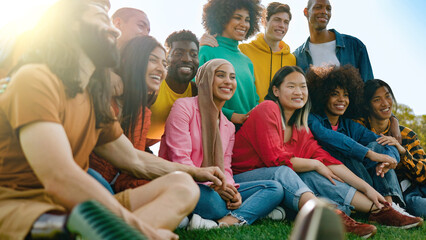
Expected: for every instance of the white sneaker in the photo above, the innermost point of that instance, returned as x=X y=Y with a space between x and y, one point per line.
x=400 y=209
x=198 y=222
x=184 y=223
x=278 y=214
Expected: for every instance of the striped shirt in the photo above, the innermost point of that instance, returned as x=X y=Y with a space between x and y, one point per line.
x=413 y=162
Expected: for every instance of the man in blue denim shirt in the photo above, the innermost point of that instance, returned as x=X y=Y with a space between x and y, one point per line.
x=335 y=92
x=329 y=47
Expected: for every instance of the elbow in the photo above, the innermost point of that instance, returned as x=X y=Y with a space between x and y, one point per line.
x=53 y=186
x=56 y=183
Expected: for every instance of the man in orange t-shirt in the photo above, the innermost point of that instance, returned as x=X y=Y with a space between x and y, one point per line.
x=55 y=111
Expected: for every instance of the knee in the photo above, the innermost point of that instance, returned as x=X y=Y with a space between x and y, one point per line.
x=184 y=187
x=284 y=173
x=276 y=189
x=375 y=146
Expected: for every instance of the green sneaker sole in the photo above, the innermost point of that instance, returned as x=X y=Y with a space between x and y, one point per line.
x=92 y=221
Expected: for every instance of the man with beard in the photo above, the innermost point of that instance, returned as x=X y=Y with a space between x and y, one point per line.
x=329 y=47
x=182 y=59
x=55 y=112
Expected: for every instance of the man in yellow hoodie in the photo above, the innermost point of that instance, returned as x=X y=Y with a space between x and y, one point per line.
x=267 y=51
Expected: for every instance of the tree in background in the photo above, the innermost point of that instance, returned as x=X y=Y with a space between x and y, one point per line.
x=407 y=118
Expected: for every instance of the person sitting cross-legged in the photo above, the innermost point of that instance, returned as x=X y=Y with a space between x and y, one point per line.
x=198 y=134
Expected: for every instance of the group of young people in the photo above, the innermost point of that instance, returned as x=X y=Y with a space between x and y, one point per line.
x=259 y=129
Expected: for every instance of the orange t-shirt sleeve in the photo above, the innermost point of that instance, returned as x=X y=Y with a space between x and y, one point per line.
x=33 y=95
x=109 y=133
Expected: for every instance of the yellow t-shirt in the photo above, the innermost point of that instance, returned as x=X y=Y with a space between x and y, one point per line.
x=161 y=109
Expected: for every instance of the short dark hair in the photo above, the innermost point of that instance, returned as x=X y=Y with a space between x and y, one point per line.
x=323 y=80
x=182 y=35
x=218 y=13
x=276 y=7
x=370 y=88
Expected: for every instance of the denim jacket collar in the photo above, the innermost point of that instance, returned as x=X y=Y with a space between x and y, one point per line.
x=326 y=122
x=339 y=41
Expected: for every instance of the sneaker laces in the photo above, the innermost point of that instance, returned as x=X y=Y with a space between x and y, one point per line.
x=400 y=209
x=347 y=221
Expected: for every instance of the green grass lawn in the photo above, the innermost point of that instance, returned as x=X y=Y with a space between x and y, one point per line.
x=268 y=229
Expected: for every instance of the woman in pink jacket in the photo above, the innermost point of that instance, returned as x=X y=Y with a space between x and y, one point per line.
x=197 y=133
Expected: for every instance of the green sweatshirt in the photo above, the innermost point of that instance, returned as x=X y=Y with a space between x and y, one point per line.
x=266 y=63
x=245 y=97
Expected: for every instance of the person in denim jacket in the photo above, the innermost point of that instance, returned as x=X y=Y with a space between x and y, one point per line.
x=335 y=93
x=329 y=47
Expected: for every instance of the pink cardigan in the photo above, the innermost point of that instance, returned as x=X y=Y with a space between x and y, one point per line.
x=182 y=142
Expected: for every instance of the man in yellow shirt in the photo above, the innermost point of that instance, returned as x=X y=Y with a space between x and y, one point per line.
x=182 y=58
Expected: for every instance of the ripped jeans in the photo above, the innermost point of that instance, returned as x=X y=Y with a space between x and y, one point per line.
x=258 y=199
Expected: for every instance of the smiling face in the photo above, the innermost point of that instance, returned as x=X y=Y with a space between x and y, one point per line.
x=277 y=26
x=183 y=61
x=337 y=103
x=224 y=84
x=238 y=25
x=156 y=69
x=293 y=92
x=381 y=104
x=318 y=14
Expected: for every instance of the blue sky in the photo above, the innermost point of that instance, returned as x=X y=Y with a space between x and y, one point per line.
x=393 y=31
x=389 y=28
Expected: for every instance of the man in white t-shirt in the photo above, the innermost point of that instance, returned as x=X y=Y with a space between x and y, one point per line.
x=329 y=47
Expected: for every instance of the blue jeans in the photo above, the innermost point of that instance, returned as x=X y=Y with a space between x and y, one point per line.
x=258 y=199
x=340 y=194
x=290 y=182
x=295 y=185
x=388 y=185
x=415 y=198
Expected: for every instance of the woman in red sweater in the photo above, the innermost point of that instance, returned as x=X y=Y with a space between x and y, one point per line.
x=275 y=143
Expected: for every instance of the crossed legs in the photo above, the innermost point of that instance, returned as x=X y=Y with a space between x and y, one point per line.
x=165 y=201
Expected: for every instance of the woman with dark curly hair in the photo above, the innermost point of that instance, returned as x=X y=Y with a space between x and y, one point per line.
x=336 y=92
x=233 y=21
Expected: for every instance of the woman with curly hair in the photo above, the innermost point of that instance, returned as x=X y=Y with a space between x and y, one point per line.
x=233 y=21
x=275 y=143
x=336 y=92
